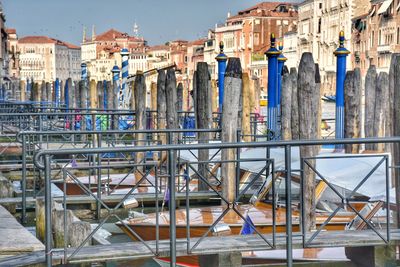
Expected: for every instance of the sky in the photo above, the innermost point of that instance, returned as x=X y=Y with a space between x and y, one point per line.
x=159 y=21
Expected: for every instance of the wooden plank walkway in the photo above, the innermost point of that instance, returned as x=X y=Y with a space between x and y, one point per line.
x=115 y=199
x=210 y=245
x=14 y=238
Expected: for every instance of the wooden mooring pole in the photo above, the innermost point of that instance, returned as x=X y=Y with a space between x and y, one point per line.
x=203 y=118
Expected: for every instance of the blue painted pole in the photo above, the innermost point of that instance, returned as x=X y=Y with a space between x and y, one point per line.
x=272 y=54
x=221 y=59
x=341 y=54
x=66 y=95
x=57 y=92
x=125 y=73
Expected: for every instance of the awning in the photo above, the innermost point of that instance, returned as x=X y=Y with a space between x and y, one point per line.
x=384 y=7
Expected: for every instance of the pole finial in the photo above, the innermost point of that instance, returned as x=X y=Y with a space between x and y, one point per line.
x=341 y=39
x=273 y=39
x=221 y=47
x=280 y=46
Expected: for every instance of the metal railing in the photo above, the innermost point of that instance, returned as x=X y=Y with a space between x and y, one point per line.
x=43 y=160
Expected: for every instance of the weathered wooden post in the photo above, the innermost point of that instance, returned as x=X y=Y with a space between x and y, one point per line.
x=140 y=114
x=257 y=93
x=308 y=120
x=395 y=88
x=83 y=102
x=352 y=90
x=100 y=95
x=318 y=100
x=281 y=62
x=43 y=97
x=161 y=105
x=110 y=96
x=246 y=130
x=179 y=91
x=22 y=88
x=132 y=100
x=341 y=54
x=203 y=118
x=214 y=101
x=172 y=99
x=295 y=105
x=233 y=86
x=370 y=88
x=381 y=108
x=115 y=72
x=286 y=107
x=48 y=92
x=35 y=92
x=69 y=94
x=93 y=95
x=272 y=55
x=153 y=104
x=221 y=59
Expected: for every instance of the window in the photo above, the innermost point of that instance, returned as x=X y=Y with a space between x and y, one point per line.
x=256 y=38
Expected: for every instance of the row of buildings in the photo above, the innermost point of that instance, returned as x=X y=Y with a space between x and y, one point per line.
x=372 y=30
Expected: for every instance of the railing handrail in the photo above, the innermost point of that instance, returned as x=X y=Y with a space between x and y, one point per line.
x=313 y=142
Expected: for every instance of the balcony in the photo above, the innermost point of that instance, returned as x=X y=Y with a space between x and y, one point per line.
x=384 y=48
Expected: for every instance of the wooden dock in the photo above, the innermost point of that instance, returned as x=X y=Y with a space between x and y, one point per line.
x=14 y=238
x=209 y=245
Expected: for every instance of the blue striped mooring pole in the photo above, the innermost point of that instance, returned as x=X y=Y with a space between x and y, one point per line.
x=272 y=54
x=341 y=54
x=125 y=73
x=221 y=59
x=84 y=74
x=105 y=106
x=281 y=63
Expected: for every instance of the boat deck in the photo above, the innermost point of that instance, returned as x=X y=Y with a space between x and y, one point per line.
x=209 y=245
x=15 y=239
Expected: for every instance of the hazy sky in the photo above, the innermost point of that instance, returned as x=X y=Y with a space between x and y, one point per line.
x=159 y=20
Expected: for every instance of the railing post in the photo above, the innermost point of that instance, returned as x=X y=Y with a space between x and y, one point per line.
x=341 y=54
x=288 y=196
x=272 y=55
x=172 y=206
x=47 y=201
x=23 y=180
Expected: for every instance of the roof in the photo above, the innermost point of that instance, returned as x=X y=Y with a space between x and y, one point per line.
x=113 y=34
x=11 y=31
x=158 y=47
x=45 y=40
x=198 y=41
x=264 y=7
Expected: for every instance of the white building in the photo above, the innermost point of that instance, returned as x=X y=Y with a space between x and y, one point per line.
x=320 y=22
x=45 y=58
x=290 y=49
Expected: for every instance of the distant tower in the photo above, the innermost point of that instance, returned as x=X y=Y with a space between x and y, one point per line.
x=84 y=34
x=135 y=30
x=93 y=33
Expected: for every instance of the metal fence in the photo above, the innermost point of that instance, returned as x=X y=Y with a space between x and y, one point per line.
x=44 y=161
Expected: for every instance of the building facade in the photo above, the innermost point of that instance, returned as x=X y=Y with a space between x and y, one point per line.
x=45 y=58
x=101 y=52
x=13 y=53
x=246 y=35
